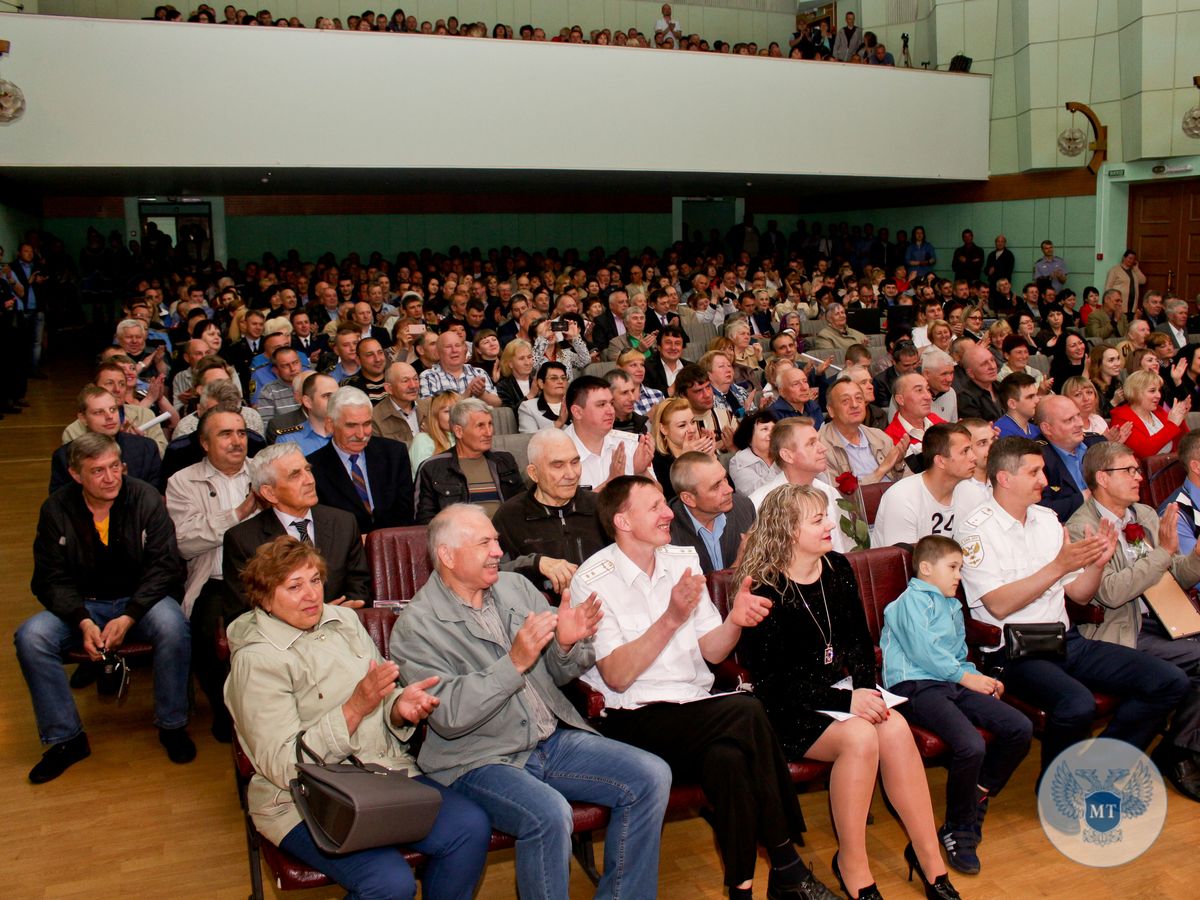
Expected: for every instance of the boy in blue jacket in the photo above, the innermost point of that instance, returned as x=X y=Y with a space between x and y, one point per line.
x=925 y=659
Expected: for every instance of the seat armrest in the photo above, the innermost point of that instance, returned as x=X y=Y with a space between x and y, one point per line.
x=981 y=634
x=729 y=675
x=586 y=699
x=1084 y=615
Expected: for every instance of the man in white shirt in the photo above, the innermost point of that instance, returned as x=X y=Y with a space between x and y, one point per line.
x=923 y=505
x=797 y=450
x=971 y=492
x=668 y=27
x=1018 y=567
x=659 y=632
x=603 y=452
x=1176 y=327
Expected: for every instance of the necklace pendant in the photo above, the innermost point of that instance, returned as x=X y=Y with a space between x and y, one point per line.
x=829 y=654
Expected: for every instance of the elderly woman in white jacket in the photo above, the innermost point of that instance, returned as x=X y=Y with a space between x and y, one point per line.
x=301 y=666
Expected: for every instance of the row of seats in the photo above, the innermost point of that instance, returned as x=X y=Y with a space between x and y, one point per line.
x=399 y=563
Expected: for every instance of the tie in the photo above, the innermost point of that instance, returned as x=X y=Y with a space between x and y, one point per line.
x=301 y=526
x=360 y=482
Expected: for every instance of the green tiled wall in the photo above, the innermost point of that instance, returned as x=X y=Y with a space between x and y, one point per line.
x=1070 y=222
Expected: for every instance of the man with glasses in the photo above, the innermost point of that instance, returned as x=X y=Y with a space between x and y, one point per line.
x=1147 y=553
x=1018 y=568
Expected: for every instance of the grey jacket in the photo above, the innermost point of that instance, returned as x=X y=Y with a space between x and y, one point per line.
x=482 y=719
x=1124 y=582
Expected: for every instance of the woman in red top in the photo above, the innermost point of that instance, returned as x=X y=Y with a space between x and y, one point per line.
x=1154 y=430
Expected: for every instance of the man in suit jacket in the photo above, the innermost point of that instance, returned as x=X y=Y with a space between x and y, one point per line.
x=369 y=477
x=709 y=516
x=1062 y=429
x=978 y=399
x=1140 y=563
x=99 y=412
x=663 y=367
x=1109 y=321
x=306 y=340
x=284 y=483
x=606 y=327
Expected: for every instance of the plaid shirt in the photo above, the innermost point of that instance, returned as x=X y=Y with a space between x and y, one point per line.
x=646 y=400
x=437 y=379
x=737 y=394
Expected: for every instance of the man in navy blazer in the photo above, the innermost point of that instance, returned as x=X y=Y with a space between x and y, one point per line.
x=369 y=477
x=1066 y=443
x=99 y=412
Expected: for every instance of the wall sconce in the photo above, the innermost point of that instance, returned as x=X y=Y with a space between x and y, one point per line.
x=1073 y=138
x=12 y=100
x=1191 y=118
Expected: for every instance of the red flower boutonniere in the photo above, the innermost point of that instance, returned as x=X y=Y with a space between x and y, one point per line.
x=847 y=483
x=1134 y=533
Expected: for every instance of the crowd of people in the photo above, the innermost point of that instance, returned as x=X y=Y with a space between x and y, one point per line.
x=714 y=406
x=815 y=38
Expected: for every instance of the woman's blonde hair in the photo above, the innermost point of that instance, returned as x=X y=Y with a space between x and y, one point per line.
x=441 y=439
x=1138 y=383
x=659 y=417
x=509 y=353
x=272 y=565
x=1075 y=383
x=999 y=330
x=770 y=541
x=628 y=356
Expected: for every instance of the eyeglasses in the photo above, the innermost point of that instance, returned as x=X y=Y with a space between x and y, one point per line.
x=1131 y=471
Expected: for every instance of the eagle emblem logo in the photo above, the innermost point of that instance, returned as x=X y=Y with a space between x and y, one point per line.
x=1100 y=804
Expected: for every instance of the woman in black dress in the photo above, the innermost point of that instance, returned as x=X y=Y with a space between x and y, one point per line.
x=815 y=636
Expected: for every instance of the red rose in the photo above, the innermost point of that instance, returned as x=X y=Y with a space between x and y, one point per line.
x=847 y=483
x=1134 y=533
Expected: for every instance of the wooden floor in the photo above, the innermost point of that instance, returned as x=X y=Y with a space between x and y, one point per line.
x=128 y=823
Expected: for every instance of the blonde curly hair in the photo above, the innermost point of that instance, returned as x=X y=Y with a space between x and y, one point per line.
x=770 y=541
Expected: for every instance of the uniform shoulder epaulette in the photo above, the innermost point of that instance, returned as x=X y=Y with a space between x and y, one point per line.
x=291 y=429
x=673 y=550
x=597 y=571
x=980 y=516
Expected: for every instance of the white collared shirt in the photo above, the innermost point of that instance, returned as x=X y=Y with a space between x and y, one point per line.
x=289 y=526
x=999 y=550
x=632 y=602
x=594 y=466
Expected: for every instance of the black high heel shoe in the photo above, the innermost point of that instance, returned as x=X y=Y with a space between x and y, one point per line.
x=870 y=892
x=940 y=888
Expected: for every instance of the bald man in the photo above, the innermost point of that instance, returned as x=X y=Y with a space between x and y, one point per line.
x=399 y=415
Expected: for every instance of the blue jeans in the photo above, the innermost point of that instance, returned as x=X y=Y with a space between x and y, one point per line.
x=457 y=849
x=37 y=327
x=44 y=639
x=532 y=804
x=1149 y=690
x=955 y=713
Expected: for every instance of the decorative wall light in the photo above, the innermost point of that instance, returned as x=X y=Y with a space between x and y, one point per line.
x=12 y=100
x=1073 y=138
x=1191 y=118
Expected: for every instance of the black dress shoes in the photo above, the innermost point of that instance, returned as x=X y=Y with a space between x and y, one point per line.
x=180 y=748
x=59 y=758
x=1184 y=773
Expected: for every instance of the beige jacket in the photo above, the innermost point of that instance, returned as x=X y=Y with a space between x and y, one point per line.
x=1124 y=582
x=829 y=338
x=837 y=460
x=200 y=523
x=387 y=422
x=283 y=681
x=135 y=415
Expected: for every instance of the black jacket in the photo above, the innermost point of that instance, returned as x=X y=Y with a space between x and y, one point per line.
x=1061 y=494
x=975 y=402
x=510 y=393
x=441 y=481
x=65 y=568
x=139 y=453
x=527 y=528
x=336 y=536
x=737 y=522
x=389 y=477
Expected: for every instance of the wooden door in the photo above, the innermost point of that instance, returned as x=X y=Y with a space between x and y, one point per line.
x=1164 y=229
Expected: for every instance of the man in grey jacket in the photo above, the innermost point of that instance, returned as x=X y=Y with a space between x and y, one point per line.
x=504 y=734
x=1148 y=551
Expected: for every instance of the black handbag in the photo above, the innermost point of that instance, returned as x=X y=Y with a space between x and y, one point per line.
x=351 y=806
x=1035 y=640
